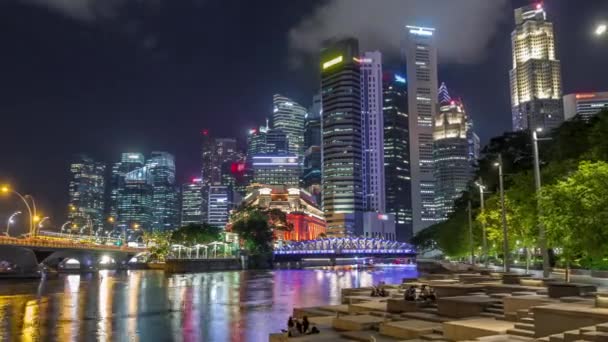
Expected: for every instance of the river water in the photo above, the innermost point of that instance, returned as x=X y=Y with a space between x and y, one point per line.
x=152 y=306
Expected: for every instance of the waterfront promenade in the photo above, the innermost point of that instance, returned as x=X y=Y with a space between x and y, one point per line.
x=486 y=306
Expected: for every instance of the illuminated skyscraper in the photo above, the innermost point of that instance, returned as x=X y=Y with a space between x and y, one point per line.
x=342 y=146
x=128 y=163
x=453 y=169
x=398 y=191
x=220 y=204
x=289 y=117
x=421 y=59
x=279 y=169
x=585 y=104
x=135 y=204
x=86 y=191
x=372 y=129
x=165 y=201
x=536 y=84
x=192 y=202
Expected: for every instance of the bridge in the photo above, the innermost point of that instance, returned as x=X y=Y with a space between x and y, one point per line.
x=344 y=248
x=22 y=256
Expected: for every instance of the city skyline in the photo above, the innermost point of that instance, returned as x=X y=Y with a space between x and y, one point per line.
x=104 y=141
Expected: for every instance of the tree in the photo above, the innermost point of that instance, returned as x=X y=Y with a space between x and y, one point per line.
x=251 y=224
x=159 y=244
x=574 y=213
x=196 y=234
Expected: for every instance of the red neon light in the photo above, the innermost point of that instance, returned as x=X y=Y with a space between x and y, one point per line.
x=539 y=6
x=205 y=132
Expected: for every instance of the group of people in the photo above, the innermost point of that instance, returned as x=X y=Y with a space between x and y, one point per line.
x=427 y=293
x=295 y=327
x=379 y=291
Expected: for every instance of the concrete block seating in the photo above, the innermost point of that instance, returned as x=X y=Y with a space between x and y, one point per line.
x=356 y=322
x=401 y=305
x=561 y=289
x=557 y=318
x=452 y=290
x=469 y=329
x=513 y=278
x=409 y=329
x=367 y=306
x=514 y=303
x=463 y=306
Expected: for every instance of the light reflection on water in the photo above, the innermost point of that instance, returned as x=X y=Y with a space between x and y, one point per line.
x=149 y=306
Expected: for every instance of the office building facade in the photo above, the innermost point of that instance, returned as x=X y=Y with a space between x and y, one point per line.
x=421 y=60
x=342 y=173
x=536 y=85
x=584 y=104
x=135 y=205
x=165 y=197
x=289 y=117
x=372 y=129
x=219 y=205
x=192 y=203
x=280 y=169
x=398 y=191
x=86 y=192
x=453 y=169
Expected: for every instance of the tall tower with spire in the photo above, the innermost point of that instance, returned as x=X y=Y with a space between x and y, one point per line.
x=450 y=152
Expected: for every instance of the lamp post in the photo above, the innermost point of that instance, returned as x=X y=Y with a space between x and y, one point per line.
x=63 y=226
x=5 y=189
x=484 y=241
x=35 y=212
x=44 y=219
x=541 y=228
x=505 y=242
x=601 y=29
x=10 y=221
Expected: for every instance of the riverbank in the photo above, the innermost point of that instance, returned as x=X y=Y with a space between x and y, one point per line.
x=469 y=307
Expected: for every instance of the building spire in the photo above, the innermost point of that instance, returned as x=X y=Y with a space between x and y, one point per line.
x=444 y=95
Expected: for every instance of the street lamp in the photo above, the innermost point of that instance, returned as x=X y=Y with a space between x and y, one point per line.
x=11 y=221
x=541 y=229
x=484 y=240
x=505 y=242
x=5 y=189
x=44 y=219
x=63 y=226
x=36 y=217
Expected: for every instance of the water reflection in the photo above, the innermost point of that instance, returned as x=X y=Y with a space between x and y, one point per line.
x=152 y=306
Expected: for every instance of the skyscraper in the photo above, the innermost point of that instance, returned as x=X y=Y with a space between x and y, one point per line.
x=280 y=169
x=372 y=129
x=585 y=104
x=277 y=141
x=342 y=145
x=256 y=141
x=86 y=191
x=220 y=204
x=135 y=206
x=165 y=201
x=289 y=117
x=192 y=202
x=421 y=59
x=128 y=163
x=536 y=85
x=451 y=153
x=397 y=154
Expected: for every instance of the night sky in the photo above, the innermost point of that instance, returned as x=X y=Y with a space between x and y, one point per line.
x=112 y=76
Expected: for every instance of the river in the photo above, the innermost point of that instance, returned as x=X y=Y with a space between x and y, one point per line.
x=152 y=306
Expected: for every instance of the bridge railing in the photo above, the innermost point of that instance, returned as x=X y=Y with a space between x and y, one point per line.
x=37 y=242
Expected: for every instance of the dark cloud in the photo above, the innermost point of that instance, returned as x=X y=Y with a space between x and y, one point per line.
x=91 y=10
x=464 y=27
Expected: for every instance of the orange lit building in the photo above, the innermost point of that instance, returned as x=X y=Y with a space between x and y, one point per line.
x=303 y=214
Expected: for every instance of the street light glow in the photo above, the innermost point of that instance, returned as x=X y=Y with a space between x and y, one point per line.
x=5 y=189
x=601 y=29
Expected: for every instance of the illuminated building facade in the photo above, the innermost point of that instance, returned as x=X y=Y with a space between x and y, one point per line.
x=192 y=202
x=281 y=169
x=135 y=205
x=311 y=177
x=536 y=85
x=398 y=192
x=372 y=129
x=302 y=211
x=421 y=60
x=128 y=162
x=379 y=226
x=289 y=117
x=584 y=104
x=342 y=173
x=219 y=205
x=86 y=191
x=453 y=169
x=165 y=198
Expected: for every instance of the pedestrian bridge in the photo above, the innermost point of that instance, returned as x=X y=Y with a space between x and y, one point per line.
x=347 y=247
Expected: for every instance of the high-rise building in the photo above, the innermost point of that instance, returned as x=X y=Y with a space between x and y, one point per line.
x=372 y=129
x=165 y=198
x=289 y=117
x=453 y=169
x=277 y=142
x=256 y=141
x=86 y=191
x=342 y=146
x=584 y=104
x=316 y=109
x=536 y=84
x=220 y=204
x=312 y=131
x=421 y=59
x=280 y=169
x=192 y=202
x=311 y=177
x=135 y=206
x=128 y=163
x=398 y=190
